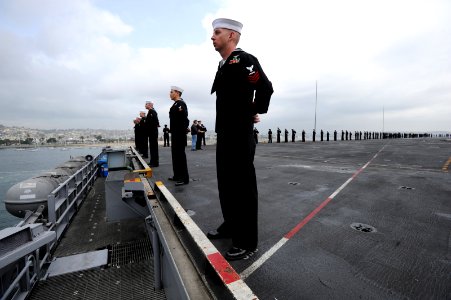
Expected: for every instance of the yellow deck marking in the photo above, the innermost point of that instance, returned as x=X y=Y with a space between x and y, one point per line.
x=446 y=165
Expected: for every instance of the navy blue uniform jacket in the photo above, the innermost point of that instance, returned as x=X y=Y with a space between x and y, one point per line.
x=235 y=83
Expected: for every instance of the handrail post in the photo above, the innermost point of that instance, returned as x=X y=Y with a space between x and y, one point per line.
x=51 y=208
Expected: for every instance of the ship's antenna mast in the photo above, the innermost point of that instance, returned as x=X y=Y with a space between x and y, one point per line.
x=316 y=101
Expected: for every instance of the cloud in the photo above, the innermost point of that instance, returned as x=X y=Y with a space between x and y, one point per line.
x=72 y=64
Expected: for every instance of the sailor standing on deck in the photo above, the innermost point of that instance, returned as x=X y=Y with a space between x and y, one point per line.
x=143 y=145
x=152 y=125
x=178 y=115
x=166 y=132
x=239 y=75
x=256 y=132
x=137 y=133
x=204 y=129
x=200 y=134
x=194 y=135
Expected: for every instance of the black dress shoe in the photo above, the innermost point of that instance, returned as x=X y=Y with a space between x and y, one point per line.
x=236 y=253
x=178 y=183
x=214 y=235
x=172 y=179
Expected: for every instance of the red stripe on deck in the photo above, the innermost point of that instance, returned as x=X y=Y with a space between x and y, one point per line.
x=224 y=269
x=298 y=227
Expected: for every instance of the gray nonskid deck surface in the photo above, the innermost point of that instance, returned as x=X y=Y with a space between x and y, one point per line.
x=403 y=196
x=129 y=273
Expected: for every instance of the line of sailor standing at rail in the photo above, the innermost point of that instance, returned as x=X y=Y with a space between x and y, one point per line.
x=345 y=135
x=141 y=133
x=198 y=130
x=146 y=128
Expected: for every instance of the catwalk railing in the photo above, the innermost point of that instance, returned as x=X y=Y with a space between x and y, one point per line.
x=27 y=247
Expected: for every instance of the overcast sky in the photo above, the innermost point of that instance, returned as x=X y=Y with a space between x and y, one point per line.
x=379 y=64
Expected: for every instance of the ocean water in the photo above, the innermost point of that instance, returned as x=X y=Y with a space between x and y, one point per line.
x=17 y=165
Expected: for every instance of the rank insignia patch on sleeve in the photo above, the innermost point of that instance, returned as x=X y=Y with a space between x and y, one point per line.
x=253 y=75
x=234 y=60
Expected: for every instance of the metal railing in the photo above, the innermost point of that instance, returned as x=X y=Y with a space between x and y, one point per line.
x=24 y=251
x=26 y=248
x=64 y=201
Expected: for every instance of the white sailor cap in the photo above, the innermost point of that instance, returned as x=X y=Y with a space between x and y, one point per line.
x=176 y=88
x=228 y=24
x=149 y=102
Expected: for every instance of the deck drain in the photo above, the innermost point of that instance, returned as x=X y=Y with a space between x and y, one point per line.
x=406 y=187
x=294 y=183
x=363 y=227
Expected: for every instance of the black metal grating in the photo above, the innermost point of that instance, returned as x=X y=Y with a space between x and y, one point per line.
x=131 y=281
x=133 y=252
x=89 y=230
x=129 y=274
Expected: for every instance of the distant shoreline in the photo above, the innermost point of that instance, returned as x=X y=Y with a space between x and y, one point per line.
x=122 y=144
